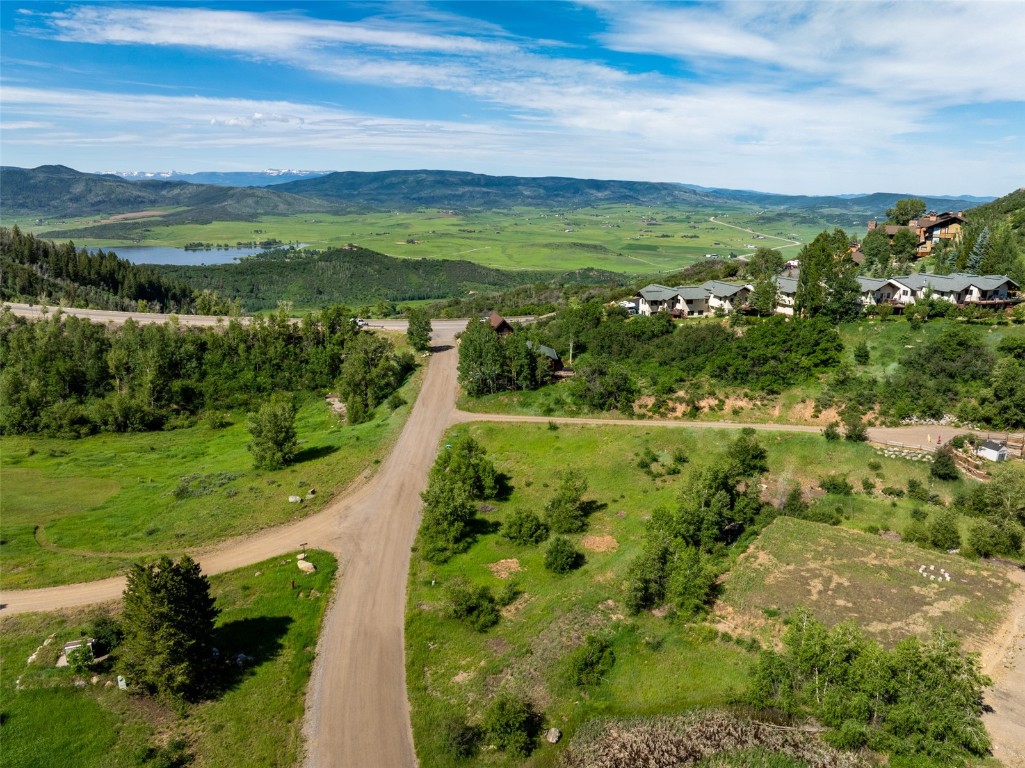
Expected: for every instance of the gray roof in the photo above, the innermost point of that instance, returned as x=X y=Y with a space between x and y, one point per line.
x=692 y=293
x=656 y=292
x=786 y=284
x=954 y=282
x=541 y=348
x=719 y=288
x=992 y=446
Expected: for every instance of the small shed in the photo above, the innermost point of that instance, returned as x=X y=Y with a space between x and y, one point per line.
x=499 y=324
x=992 y=450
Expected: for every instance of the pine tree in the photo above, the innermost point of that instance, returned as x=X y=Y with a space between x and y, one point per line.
x=168 y=623
x=978 y=252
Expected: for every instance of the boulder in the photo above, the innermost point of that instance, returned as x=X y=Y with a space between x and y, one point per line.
x=306 y=566
x=553 y=735
x=295 y=499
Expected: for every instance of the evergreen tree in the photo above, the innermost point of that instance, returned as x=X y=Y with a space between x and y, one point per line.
x=168 y=623
x=978 y=252
x=272 y=430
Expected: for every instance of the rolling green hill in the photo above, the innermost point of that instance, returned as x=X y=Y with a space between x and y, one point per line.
x=57 y=191
x=404 y=190
x=353 y=276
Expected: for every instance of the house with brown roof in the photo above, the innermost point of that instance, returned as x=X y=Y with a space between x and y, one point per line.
x=499 y=324
x=929 y=229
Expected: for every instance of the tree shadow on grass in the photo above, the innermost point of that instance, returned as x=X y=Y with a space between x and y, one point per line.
x=242 y=646
x=505 y=487
x=314 y=452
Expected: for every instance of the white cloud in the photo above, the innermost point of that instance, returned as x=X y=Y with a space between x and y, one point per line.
x=817 y=96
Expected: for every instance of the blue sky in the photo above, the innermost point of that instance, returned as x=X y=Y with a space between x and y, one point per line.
x=809 y=98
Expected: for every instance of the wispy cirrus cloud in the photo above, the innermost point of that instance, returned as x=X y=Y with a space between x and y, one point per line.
x=766 y=89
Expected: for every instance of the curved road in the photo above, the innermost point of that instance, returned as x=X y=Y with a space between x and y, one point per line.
x=357 y=713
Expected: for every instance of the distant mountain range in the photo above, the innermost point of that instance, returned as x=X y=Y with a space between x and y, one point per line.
x=874 y=203
x=56 y=191
x=223 y=178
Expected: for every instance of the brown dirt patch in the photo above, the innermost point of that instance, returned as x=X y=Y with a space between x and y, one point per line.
x=134 y=215
x=515 y=606
x=503 y=569
x=462 y=677
x=599 y=543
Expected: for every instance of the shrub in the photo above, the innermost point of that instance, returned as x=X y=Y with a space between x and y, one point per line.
x=459 y=737
x=987 y=539
x=512 y=724
x=917 y=490
x=524 y=527
x=562 y=557
x=943 y=532
x=588 y=664
x=917 y=532
x=80 y=659
x=475 y=606
x=890 y=490
x=854 y=428
x=944 y=467
x=395 y=401
x=832 y=431
x=106 y=633
x=919 y=514
x=874 y=464
x=836 y=484
x=868 y=484
x=861 y=354
x=565 y=512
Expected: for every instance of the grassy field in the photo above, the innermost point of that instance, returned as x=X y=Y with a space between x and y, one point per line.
x=254 y=718
x=82 y=509
x=661 y=666
x=888 y=341
x=617 y=238
x=844 y=575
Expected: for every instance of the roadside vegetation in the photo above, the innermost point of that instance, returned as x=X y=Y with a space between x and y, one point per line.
x=79 y=509
x=769 y=369
x=655 y=616
x=248 y=710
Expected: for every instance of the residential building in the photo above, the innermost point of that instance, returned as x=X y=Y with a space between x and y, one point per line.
x=656 y=298
x=726 y=297
x=959 y=288
x=992 y=450
x=929 y=229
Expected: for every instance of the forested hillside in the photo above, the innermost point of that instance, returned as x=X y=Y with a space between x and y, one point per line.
x=352 y=275
x=993 y=242
x=57 y=191
x=35 y=270
x=405 y=190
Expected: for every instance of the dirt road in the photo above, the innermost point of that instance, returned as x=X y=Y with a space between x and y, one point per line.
x=357 y=713
x=1004 y=661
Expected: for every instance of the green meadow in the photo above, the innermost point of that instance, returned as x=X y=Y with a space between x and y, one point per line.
x=663 y=665
x=75 y=510
x=50 y=717
x=617 y=238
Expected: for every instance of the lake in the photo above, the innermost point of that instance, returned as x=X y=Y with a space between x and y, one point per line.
x=165 y=254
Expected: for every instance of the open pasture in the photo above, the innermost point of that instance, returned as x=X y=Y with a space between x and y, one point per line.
x=75 y=510
x=627 y=239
